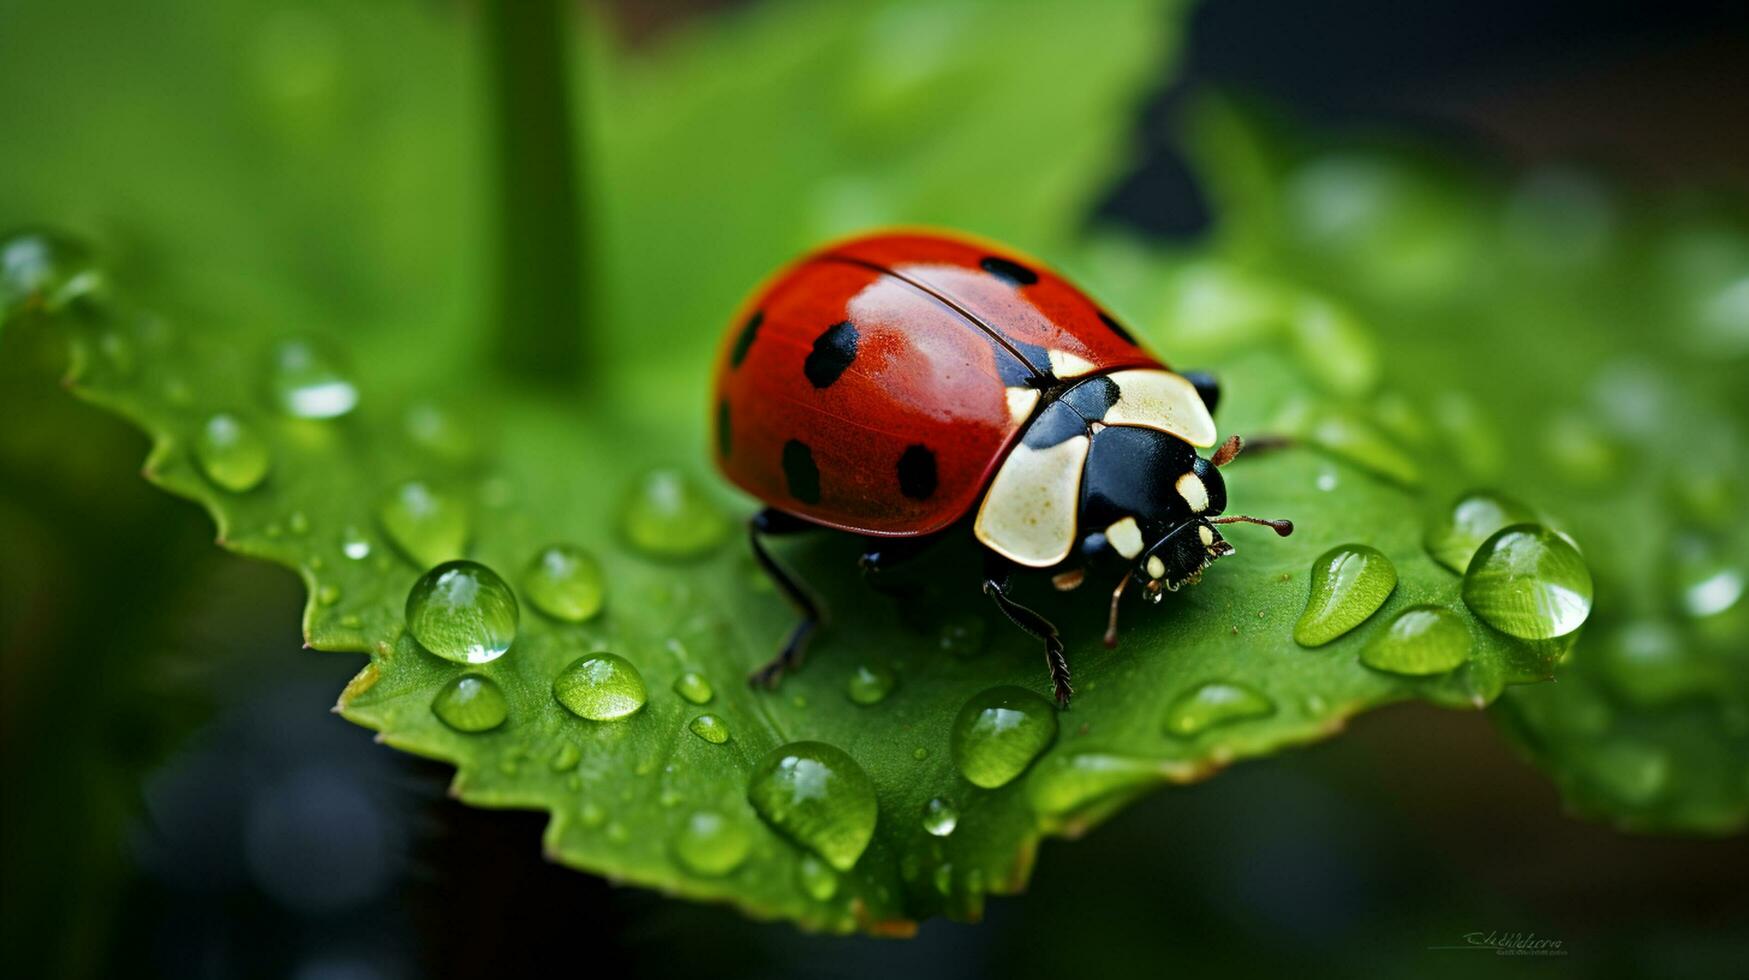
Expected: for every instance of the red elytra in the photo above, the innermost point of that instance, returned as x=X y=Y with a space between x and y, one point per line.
x=876 y=385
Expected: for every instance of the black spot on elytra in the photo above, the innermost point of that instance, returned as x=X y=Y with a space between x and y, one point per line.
x=833 y=351
x=723 y=442
x=1013 y=273
x=1055 y=423
x=800 y=472
x=1093 y=398
x=917 y=478
x=744 y=342
x=1116 y=327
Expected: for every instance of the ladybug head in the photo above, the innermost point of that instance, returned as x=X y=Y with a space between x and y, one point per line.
x=1180 y=555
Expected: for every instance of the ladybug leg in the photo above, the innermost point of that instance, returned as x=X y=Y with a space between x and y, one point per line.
x=996 y=575
x=776 y=522
x=884 y=555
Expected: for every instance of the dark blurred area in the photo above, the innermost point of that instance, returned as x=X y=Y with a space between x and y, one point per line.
x=329 y=858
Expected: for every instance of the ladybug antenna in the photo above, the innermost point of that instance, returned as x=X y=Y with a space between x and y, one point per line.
x=1116 y=594
x=1283 y=528
x=1228 y=452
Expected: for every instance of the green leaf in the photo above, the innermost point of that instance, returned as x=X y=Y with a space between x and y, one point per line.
x=441 y=459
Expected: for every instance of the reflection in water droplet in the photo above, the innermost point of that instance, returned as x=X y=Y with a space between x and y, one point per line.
x=693 y=687
x=1066 y=782
x=1529 y=582
x=471 y=703
x=1422 y=640
x=710 y=728
x=462 y=611
x=1214 y=703
x=231 y=453
x=819 y=797
x=42 y=270
x=430 y=526
x=962 y=636
x=1707 y=582
x=1453 y=538
x=306 y=383
x=940 y=817
x=600 y=687
x=667 y=515
x=564 y=582
x=712 y=844
x=870 y=684
x=999 y=732
x=817 y=881
x=1349 y=583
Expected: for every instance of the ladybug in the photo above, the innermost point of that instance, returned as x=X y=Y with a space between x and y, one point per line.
x=911 y=386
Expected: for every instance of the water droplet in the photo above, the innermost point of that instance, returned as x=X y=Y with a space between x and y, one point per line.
x=462 y=611
x=564 y=582
x=712 y=844
x=1349 y=583
x=817 y=796
x=328 y=595
x=817 y=881
x=710 y=728
x=1707 y=583
x=940 y=817
x=600 y=687
x=693 y=687
x=354 y=545
x=1422 y=640
x=1214 y=703
x=962 y=636
x=999 y=732
x=1529 y=582
x=667 y=515
x=441 y=432
x=1068 y=781
x=567 y=757
x=871 y=683
x=1453 y=539
x=920 y=753
x=471 y=703
x=42 y=270
x=306 y=384
x=428 y=525
x=231 y=453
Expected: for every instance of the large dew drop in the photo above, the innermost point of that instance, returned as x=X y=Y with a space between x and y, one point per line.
x=471 y=703
x=1421 y=641
x=564 y=582
x=940 y=817
x=712 y=844
x=428 y=525
x=1349 y=583
x=306 y=384
x=667 y=515
x=462 y=611
x=817 y=796
x=231 y=453
x=1453 y=539
x=1214 y=703
x=999 y=732
x=1529 y=582
x=600 y=687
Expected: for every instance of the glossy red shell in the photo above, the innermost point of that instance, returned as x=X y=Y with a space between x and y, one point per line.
x=943 y=326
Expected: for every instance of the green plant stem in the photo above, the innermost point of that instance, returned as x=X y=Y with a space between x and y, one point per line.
x=541 y=262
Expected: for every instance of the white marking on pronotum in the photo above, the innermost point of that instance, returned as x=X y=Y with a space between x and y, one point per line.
x=1190 y=487
x=1156 y=567
x=1207 y=536
x=1067 y=365
x=1161 y=400
x=1125 y=536
x=1028 y=515
x=1021 y=402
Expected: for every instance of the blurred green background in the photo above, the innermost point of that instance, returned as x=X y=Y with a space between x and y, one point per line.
x=1537 y=211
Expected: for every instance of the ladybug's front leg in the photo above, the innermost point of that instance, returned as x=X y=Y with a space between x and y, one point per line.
x=996 y=575
x=769 y=521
